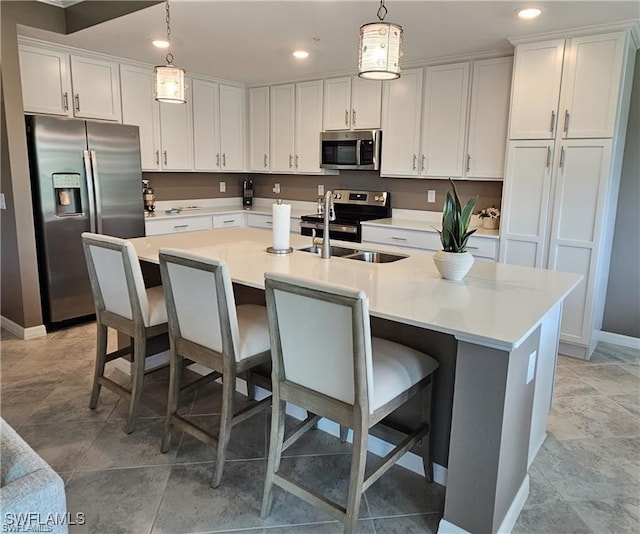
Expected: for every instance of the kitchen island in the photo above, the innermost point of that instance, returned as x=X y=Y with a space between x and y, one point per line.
x=495 y=335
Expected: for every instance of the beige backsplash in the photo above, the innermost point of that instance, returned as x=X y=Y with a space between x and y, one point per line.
x=406 y=193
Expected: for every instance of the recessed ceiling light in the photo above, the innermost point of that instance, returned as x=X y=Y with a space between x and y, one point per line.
x=160 y=43
x=529 y=12
x=301 y=54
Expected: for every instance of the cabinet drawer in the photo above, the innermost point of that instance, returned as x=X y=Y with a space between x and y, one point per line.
x=258 y=220
x=401 y=238
x=173 y=226
x=480 y=247
x=228 y=221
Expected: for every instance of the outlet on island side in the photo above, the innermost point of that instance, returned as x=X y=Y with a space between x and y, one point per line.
x=431 y=195
x=223 y=187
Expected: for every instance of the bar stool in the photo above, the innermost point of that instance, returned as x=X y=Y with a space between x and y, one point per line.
x=325 y=361
x=206 y=327
x=122 y=303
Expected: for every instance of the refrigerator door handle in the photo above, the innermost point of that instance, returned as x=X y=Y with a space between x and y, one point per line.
x=90 y=188
x=96 y=188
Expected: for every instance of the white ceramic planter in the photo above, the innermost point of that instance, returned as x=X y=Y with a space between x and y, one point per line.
x=489 y=223
x=453 y=265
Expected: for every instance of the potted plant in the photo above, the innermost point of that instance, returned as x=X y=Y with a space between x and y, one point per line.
x=489 y=217
x=453 y=261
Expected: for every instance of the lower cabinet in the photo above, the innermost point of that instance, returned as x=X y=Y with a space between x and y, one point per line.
x=263 y=220
x=177 y=225
x=229 y=220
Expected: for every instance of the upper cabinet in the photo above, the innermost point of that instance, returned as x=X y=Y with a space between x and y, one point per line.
x=258 y=129
x=176 y=136
x=570 y=87
x=282 y=128
x=73 y=85
x=351 y=103
x=232 y=127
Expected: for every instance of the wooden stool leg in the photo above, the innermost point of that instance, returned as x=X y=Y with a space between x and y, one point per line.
x=275 y=453
x=176 y=364
x=426 y=439
x=226 y=418
x=137 y=367
x=101 y=359
x=356 y=479
x=251 y=385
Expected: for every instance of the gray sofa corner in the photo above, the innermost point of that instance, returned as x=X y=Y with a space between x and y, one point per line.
x=31 y=492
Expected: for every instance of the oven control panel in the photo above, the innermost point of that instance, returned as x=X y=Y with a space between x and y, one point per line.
x=362 y=198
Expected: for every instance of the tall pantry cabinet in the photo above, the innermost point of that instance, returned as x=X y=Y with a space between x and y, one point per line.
x=569 y=109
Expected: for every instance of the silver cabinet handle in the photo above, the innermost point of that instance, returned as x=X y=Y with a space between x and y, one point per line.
x=176 y=226
x=265 y=161
x=566 y=121
x=224 y=159
x=65 y=101
x=548 y=157
x=269 y=222
x=290 y=161
x=218 y=159
x=158 y=157
x=552 y=126
x=424 y=163
x=414 y=162
x=472 y=248
x=77 y=98
x=229 y=221
x=353 y=120
x=165 y=157
x=346 y=117
x=297 y=161
x=468 y=162
x=562 y=157
x=394 y=238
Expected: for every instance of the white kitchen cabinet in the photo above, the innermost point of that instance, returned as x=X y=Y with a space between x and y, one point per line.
x=228 y=220
x=488 y=118
x=401 y=112
x=139 y=108
x=176 y=136
x=352 y=103
x=308 y=125
x=96 y=88
x=258 y=129
x=262 y=220
x=46 y=81
x=176 y=225
x=232 y=127
x=282 y=127
x=446 y=95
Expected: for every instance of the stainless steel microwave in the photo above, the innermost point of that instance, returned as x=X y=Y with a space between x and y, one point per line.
x=350 y=150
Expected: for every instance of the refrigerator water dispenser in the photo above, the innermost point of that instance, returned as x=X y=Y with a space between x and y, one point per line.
x=67 y=194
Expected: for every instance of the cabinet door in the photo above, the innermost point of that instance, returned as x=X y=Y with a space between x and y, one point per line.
x=206 y=126
x=259 y=129
x=446 y=95
x=308 y=126
x=536 y=90
x=140 y=108
x=366 y=100
x=96 y=88
x=282 y=127
x=46 y=83
x=176 y=133
x=591 y=85
x=580 y=198
x=488 y=118
x=525 y=203
x=232 y=129
x=337 y=104
x=401 y=110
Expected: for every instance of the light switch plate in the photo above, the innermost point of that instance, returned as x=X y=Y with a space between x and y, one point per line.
x=223 y=187
x=431 y=195
x=320 y=190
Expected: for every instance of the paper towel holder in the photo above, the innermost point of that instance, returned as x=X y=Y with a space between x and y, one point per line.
x=272 y=250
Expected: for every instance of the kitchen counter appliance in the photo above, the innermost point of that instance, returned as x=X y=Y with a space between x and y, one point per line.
x=350 y=208
x=358 y=150
x=85 y=177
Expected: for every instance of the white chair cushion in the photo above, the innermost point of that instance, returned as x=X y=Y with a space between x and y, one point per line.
x=253 y=328
x=157 y=308
x=395 y=369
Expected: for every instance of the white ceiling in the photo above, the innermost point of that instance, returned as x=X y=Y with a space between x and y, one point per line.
x=252 y=41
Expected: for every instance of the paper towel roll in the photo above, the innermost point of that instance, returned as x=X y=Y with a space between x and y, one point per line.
x=281 y=226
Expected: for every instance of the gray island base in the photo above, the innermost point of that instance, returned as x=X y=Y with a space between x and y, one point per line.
x=495 y=336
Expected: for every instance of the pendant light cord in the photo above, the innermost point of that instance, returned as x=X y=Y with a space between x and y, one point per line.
x=169 y=54
x=382 y=10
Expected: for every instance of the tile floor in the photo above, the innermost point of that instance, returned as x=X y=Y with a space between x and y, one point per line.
x=586 y=478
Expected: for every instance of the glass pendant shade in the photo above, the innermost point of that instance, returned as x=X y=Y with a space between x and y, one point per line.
x=169 y=85
x=380 y=51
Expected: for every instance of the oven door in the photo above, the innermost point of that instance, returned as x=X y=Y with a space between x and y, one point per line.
x=342 y=232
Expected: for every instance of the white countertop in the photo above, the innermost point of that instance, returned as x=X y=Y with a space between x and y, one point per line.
x=496 y=305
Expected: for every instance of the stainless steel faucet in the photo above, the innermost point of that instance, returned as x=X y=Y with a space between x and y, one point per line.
x=329 y=215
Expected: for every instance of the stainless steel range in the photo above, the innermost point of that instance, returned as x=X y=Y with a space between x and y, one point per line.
x=350 y=207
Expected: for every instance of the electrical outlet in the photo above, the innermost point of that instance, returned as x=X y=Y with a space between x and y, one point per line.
x=320 y=190
x=3 y=204
x=276 y=188
x=223 y=187
x=431 y=195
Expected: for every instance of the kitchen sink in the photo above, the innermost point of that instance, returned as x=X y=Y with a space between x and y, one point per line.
x=375 y=257
x=335 y=251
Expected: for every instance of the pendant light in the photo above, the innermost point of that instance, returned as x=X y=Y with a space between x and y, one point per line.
x=380 y=48
x=168 y=80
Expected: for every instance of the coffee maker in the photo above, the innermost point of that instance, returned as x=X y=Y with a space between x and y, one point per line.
x=247 y=193
x=149 y=197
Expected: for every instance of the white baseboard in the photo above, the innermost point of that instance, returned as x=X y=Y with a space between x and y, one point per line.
x=22 y=332
x=619 y=339
x=151 y=363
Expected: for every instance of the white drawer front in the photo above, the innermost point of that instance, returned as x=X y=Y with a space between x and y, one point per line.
x=228 y=221
x=258 y=220
x=401 y=238
x=481 y=247
x=175 y=225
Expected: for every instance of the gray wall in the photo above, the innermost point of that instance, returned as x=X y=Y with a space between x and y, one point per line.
x=622 y=305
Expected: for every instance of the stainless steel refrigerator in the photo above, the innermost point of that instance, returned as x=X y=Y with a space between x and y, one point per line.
x=85 y=177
